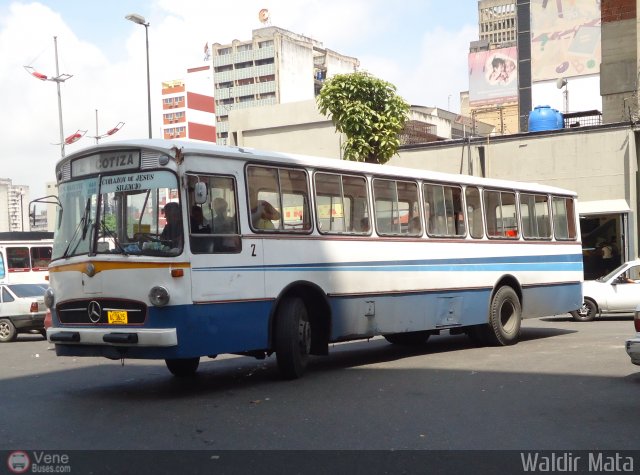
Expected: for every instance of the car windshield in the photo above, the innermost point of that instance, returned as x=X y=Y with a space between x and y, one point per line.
x=28 y=290
x=121 y=214
x=608 y=276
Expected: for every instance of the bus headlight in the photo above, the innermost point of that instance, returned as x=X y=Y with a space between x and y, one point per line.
x=159 y=296
x=49 y=298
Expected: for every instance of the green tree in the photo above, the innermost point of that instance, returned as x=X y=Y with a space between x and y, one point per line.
x=368 y=111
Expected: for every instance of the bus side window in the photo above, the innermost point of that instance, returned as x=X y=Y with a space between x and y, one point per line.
x=563 y=218
x=213 y=226
x=534 y=215
x=278 y=199
x=443 y=210
x=18 y=259
x=40 y=257
x=500 y=214
x=474 y=212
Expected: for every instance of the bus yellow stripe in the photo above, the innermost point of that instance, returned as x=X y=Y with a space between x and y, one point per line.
x=100 y=266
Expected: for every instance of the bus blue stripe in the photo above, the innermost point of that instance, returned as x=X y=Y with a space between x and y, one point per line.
x=568 y=262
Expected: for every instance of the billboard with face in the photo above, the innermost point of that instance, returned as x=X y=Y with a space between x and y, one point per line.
x=565 y=38
x=493 y=76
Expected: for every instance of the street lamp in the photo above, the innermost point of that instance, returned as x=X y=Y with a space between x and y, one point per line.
x=57 y=79
x=139 y=19
x=21 y=192
x=108 y=133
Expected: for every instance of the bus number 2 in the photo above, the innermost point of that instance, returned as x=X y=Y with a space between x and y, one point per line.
x=253 y=250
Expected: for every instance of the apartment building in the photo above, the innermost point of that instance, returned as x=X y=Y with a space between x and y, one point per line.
x=275 y=66
x=497 y=22
x=15 y=200
x=188 y=108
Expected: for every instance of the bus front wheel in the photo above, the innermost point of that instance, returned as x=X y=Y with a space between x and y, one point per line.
x=183 y=367
x=505 y=319
x=292 y=337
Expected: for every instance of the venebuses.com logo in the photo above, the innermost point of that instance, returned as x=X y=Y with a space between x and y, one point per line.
x=18 y=462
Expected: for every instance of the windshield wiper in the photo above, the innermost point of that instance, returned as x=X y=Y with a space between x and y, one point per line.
x=107 y=232
x=84 y=225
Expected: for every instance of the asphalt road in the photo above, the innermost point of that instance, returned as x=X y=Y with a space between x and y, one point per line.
x=565 y=386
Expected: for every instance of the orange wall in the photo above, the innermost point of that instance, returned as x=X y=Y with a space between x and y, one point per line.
x=201 y=102
x=202 y=132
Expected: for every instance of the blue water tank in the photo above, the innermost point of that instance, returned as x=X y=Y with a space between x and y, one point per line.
x=545 y=118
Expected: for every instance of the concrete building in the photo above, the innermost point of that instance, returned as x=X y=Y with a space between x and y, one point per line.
x=619 y=69
x=188 y=108
x=497 y=22
x=15 y=200
x=298 y=127
x=275 y=66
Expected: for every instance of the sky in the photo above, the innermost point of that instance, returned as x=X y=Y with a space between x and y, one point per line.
x=418 y=45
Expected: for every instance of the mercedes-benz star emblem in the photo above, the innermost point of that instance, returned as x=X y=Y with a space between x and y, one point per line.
x=94 y=311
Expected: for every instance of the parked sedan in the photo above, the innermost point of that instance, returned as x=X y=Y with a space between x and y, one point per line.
x=633 y=345
x=22 y=310
x=618 y=292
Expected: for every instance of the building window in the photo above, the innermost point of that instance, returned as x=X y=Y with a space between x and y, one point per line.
x=261 y=62
x=246 y=47
x=223 y=51
x=246 y=64
x=265 y=44
x=222 y=69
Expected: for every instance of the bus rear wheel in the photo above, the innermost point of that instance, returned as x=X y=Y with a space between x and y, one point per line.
x=505 y=319
x=292 y=337
x=183 y=367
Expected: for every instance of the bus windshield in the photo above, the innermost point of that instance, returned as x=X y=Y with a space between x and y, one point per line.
x=120 y=214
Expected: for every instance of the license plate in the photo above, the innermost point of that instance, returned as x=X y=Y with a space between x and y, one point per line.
x=117 y=317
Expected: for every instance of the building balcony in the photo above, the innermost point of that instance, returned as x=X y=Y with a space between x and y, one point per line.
x=245 y=73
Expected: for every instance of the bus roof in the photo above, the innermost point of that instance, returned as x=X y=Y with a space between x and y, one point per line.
x=169 y=147
x=25 y=236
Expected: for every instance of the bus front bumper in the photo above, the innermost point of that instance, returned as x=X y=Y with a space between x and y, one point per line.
x=141 y=337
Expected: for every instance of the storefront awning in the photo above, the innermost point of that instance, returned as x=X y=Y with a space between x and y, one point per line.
x=603 y=207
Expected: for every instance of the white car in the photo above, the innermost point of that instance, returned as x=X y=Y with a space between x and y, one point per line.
x=22 y=309
x=633 y=345
x=618 y=292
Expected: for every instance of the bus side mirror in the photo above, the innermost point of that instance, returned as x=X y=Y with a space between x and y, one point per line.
x=200 y=192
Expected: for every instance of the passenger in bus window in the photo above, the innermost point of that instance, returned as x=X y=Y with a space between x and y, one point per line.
x=199 y=225
x=460 y=227
x=172 y=232
x=263 y=214
x=414 y=225
x=222 y=224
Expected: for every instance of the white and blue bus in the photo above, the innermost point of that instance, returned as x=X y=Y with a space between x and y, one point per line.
x=25 y=257
x=176 y=251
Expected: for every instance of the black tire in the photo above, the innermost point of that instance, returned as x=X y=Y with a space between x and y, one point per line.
x=587 y=312
x=8 y=331
x=408 y=338
x=183 y=367
x=505 y=319
x=292 y=337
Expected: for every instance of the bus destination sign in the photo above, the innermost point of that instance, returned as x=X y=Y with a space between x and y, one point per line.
x=106 y=162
